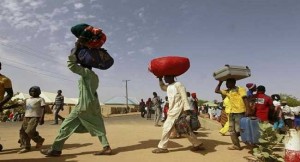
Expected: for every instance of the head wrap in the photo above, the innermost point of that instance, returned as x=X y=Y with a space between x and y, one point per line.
x=250 y=85
x=78 y=29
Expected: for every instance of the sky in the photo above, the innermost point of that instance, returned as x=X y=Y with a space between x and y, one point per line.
x=35 y=41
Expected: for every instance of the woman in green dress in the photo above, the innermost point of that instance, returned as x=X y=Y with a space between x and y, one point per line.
x=86 y=116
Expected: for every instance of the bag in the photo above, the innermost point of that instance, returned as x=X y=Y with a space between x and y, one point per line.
x=169 y=65
x=182 y=126
x=232 y=71
x=89 y=36
x=223 y=118
x=194 y=122
x=95 y=57
x=249 y=130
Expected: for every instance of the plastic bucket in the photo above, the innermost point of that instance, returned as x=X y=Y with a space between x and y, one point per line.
x=292 y=146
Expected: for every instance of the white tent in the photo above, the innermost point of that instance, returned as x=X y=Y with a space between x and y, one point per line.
x=49 y=98
x=122 y=101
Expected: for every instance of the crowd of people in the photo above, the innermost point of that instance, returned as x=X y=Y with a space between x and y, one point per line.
x=177 y=114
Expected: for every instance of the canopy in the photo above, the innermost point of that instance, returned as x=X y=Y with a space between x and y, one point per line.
x=210 y=104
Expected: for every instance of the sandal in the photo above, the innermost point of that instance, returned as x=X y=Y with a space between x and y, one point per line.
x=160 y=150
x=106 y=151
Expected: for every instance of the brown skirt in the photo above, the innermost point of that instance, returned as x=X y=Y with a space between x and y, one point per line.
x=224 y=118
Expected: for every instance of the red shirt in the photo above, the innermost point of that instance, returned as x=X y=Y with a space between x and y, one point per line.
x=262 y=105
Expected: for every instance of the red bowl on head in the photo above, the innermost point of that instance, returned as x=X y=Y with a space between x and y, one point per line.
x=169 y=65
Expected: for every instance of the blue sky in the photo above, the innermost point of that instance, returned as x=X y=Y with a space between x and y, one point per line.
x=35 y=40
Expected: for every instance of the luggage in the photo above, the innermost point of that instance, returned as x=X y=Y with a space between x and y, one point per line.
x=223 y=118
x=169 y=65
x=182 y=126
x=194 y=122
x=89 y=36
x=95 y=57
x=232 y=71
x=249 y=130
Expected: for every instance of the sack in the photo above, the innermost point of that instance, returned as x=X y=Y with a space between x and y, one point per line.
x=169 y=65
x=89 y=36
x=182 y=126
x=194 y=122
x=95 y=57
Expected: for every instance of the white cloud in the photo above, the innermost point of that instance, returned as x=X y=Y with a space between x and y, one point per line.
x=140 y=13
x=84 y=17
x=97 y=6
x=78 y=5
x=147 y=51
x=131 y=52
x=130 y=39
x=57 y=11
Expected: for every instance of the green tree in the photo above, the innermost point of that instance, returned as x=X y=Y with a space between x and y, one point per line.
x=291 y=100
x=200 y=102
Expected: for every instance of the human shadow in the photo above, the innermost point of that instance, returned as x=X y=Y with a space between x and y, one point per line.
x=46 y=159
x=144 y=145
x=66 y=146
x=208 y=144
x=201 y=134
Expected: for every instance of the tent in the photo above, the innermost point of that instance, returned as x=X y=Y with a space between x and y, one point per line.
x=48 y=96
x=122 y=101
x=210 y=104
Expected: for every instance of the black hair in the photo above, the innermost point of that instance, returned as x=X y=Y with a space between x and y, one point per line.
x=275 y=97
x=37 y=89
x=231 y=80
x=261 y=88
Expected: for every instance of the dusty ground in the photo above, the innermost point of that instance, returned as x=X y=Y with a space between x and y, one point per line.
x=132 y=139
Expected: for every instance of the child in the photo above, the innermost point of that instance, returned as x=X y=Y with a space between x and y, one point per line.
x=34 y=115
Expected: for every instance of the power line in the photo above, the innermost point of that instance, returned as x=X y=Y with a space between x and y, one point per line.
x=13 y=46
x=57 y=76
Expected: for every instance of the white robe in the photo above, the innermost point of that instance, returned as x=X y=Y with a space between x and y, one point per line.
x=178 y=102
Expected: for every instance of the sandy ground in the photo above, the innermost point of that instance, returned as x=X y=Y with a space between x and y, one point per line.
x=132 y=139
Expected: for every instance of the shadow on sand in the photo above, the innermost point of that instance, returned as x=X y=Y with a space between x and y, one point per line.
x=66 y=146
x=144 y=145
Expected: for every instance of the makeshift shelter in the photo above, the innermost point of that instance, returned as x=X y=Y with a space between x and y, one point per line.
x=117 y=105
x=121 y=101
x=210 y=104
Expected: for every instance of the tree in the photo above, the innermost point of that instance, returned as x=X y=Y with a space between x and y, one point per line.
x=291 y=100
x=200 y=102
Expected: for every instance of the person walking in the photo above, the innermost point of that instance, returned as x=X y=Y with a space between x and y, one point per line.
x=238 y=105
x=5 y=88
x=149 y=108
x=86 y=115
x=142 y=107
x=263 y=104
x=288 y=115
x=156 y=105
x=6 y=91
x=165 y=109
x=58 y=106
x=34 y=115
x=178 y=104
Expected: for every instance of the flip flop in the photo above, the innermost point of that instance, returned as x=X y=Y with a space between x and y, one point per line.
x=160 y=150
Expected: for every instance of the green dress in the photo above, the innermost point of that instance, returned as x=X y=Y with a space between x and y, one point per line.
x=86 y=116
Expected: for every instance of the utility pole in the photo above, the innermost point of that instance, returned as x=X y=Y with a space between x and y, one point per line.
x=126 y=93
